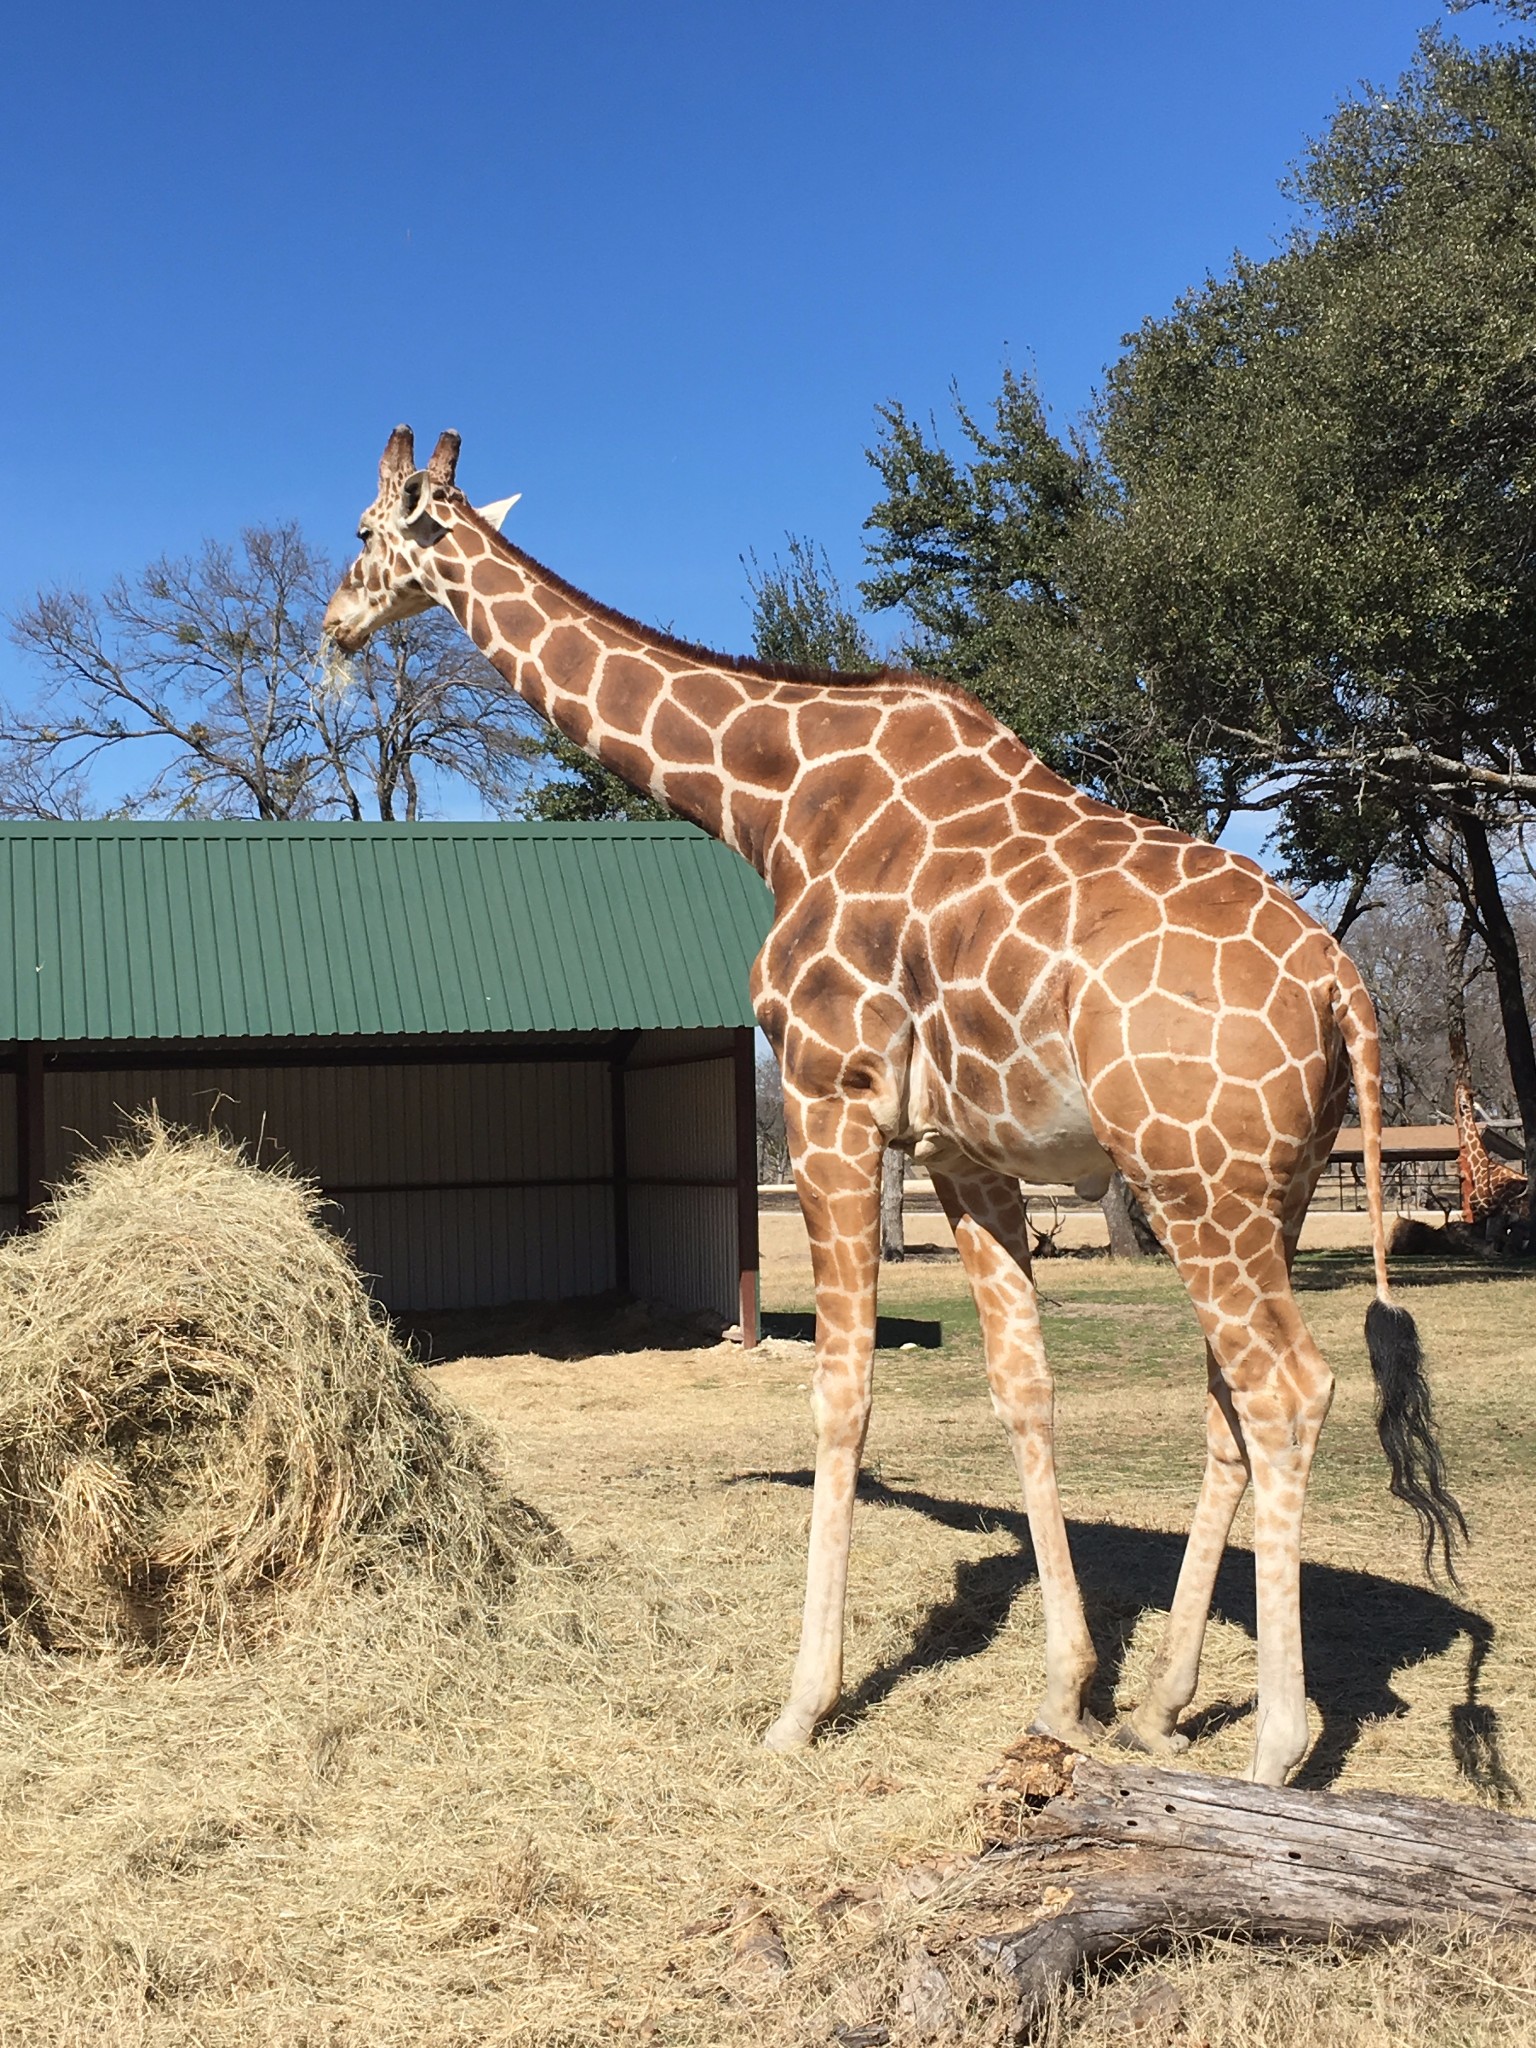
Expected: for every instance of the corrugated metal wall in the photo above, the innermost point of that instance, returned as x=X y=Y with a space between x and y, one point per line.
x=681 y=1123
x=658 y=1048
x=364 y=1126
x=395 y=1146
x=411 y=1154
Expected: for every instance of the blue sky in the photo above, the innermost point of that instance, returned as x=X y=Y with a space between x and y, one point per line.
x=657 y=263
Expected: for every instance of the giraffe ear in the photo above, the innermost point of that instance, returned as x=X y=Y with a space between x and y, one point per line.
x=493 y=515
x=416 y=509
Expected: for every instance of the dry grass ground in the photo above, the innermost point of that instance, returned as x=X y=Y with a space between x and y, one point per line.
x=552 y=1824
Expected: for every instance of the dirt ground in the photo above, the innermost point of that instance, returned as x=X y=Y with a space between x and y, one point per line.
x=550 y=1826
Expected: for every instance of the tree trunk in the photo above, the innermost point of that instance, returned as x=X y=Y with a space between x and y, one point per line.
x=893 y=1229
x=1503 y=950
x=1131 y=1236
x=1087 y=1860
x=1355 y=905
x=1454 y=945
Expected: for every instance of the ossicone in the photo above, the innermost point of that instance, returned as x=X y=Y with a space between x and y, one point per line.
x=399 y=457
x=445 y=457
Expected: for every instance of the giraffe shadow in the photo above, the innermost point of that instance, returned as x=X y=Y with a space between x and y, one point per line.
x=1360 y=1628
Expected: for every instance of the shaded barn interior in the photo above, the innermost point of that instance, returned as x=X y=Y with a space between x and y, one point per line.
x=518 y=1057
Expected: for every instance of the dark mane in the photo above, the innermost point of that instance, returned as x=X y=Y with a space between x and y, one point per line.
x=709 y=657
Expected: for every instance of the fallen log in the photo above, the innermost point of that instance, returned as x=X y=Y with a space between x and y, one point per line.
x=1086 y=1860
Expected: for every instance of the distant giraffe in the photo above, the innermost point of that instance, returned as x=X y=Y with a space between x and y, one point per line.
x=1489 y=1187
x=972 y=959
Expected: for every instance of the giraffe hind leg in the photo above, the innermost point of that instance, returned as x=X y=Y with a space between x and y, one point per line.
x=987 y=1216
x=1271 y=1378
x=1176 y=1672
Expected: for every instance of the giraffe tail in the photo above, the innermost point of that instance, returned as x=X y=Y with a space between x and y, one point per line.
x=1405 y=1419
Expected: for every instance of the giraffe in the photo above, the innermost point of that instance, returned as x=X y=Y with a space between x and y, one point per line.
x=973 y=960
x=1489 y=1187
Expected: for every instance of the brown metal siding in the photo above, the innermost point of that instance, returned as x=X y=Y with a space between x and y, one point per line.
x=480 y=1248
x=10 y=1194
x=665 y=1048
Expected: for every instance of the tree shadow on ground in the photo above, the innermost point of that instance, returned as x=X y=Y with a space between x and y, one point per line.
x=1360 y=1628
x=1327 y=1272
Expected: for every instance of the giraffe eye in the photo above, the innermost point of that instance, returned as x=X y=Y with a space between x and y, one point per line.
x=365 y=534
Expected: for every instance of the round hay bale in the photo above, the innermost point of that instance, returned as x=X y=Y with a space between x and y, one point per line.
x=201 y=1407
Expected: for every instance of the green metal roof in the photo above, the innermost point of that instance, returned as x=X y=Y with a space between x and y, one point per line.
x=115 y=932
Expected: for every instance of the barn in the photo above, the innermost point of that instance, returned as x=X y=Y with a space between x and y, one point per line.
x=518 y=1057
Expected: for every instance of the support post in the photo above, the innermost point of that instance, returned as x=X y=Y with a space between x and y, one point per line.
x=746 y=1181
x=619 y=1115
x=29 y=1136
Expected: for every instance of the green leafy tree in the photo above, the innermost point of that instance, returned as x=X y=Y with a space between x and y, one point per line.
x=577 y=789
x=800 y=615
x=1321 y=556
x=981 y=552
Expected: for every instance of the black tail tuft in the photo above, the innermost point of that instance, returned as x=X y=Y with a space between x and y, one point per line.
x=1405 y=1422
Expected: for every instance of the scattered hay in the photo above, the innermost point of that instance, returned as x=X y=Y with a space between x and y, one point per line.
x=201 y=1406
x=404 y=1830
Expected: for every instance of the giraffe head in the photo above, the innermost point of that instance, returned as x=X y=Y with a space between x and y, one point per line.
x=412 y=512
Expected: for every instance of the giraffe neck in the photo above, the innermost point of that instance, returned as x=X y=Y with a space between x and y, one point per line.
x=700 y=735
x=1467 y=1130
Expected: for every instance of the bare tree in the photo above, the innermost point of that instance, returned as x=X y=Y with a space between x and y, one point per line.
x=1131 y=1236
x=420 y=694
x=1436 y=999
x=204 y=674
x=893 y=1193
x=773 y=1163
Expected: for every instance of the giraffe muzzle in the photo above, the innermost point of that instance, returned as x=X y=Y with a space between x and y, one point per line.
x=343 y=626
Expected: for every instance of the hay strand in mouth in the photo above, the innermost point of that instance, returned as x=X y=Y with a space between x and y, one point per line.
x=333 y=677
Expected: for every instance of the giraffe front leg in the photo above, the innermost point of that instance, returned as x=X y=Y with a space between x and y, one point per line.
x=837 y=1152
x=1177 y=1670
x=987 y=1216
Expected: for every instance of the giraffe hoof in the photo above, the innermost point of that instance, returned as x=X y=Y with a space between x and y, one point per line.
x=1077 y=1730
x=789 y=1732
x=1150 y=1743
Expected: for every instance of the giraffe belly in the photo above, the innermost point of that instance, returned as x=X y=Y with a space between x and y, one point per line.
x=1040 y=1132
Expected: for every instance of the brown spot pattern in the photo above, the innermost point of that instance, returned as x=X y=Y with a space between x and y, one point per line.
x=971 y=958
